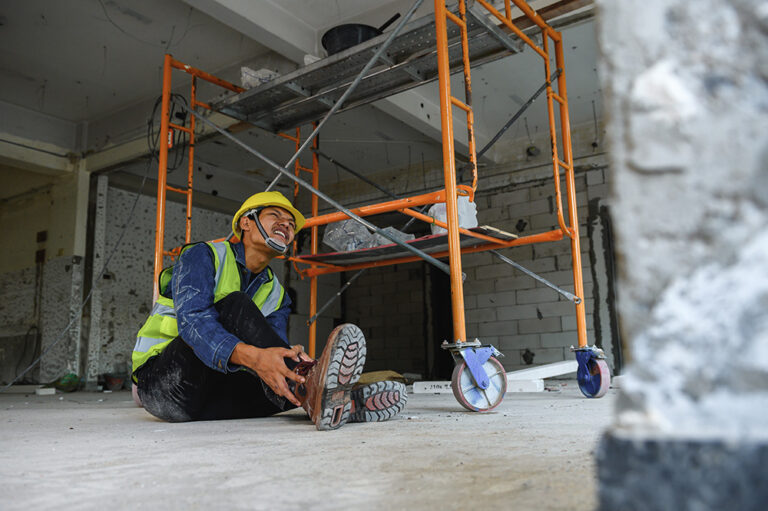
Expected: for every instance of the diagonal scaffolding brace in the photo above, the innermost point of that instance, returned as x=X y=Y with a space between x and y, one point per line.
x=570 y=296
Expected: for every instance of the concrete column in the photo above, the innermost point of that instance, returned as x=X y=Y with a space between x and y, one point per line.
x=687 y=94
x=78 y=251
x=99 y=258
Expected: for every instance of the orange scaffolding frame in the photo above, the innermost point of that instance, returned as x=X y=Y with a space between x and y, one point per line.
x=562 y=167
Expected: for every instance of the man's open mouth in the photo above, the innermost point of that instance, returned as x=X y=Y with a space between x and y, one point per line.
x=281 y=233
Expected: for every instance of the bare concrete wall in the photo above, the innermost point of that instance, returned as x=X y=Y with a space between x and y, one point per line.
x=41 y=279
x=30 y=203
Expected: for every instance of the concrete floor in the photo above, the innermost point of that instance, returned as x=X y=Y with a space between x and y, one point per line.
x=97 y=450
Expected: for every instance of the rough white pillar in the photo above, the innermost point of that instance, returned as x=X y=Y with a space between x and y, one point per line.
x=99 y=258
x=686 y=85
x=78 y=251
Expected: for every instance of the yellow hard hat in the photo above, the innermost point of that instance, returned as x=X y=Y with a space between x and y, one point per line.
x=262 y=200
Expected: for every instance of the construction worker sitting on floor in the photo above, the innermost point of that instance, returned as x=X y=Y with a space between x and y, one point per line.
x=215 y=343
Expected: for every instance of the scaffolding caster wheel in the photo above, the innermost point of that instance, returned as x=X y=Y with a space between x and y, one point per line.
x=479 y=381
x=593 y=374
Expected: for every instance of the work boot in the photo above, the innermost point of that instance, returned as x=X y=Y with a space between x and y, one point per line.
x=376 y=402
x=325 y=394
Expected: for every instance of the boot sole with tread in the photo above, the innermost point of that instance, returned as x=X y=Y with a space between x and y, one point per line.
x=379 y=401
x=344 y=369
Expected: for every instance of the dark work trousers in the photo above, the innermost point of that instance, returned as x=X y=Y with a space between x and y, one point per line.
x=176 y=386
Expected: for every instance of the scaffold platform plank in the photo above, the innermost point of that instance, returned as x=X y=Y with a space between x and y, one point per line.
x=429 y=244
x=306 y=94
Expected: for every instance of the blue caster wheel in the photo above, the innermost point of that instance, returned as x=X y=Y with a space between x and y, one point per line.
x=593 y=374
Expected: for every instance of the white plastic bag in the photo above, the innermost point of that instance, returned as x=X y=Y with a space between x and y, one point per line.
x=467 y=214
x=348 y=235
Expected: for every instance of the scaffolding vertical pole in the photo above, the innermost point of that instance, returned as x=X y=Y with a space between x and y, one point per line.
x=191 y=166
x=297 y=165
x=162 y=174
x=553 y=136
x=315 y=245
x=449 y=172
x=314 y=239
x=468 y=94
x=570 y=181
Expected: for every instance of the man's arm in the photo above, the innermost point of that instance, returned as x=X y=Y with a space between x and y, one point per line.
x=198 y=320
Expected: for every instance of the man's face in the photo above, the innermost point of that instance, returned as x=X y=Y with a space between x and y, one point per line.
x=277 y=222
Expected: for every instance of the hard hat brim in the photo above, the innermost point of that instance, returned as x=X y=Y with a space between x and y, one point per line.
x=264 y=200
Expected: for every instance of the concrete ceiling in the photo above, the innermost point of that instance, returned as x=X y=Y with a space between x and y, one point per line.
x=83 y=60
x=82 y=77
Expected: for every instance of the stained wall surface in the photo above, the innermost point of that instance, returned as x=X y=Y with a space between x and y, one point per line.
x=39 y=274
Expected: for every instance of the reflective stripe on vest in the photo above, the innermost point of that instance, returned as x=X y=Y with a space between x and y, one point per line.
x=161 y=326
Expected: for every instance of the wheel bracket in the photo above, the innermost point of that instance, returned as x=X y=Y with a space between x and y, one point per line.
x=475 y=355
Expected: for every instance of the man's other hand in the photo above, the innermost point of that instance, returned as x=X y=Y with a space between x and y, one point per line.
x=300 y=355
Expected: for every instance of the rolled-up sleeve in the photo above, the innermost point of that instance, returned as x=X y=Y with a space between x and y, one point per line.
x=193 y=296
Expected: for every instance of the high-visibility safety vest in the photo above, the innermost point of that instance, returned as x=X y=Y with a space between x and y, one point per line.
x=161 y=326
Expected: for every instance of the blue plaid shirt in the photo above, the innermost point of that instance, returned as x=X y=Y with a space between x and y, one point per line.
x=192 y=291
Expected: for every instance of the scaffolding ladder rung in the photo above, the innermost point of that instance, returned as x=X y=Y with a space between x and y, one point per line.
x=460 y=22
x=288 y=137
x=457 y=102
x=557 y=97
x=180 y=128
x=185 y=191
x=563 y=164
x=305 y=169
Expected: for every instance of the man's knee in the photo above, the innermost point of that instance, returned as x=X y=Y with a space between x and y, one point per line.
x=169 y=387
x=236 y=312
x=163 y=406
x=237 y=299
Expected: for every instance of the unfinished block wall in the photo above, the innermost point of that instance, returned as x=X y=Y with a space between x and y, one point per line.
x=511 y=310
x=388 y=304
x=504 y=307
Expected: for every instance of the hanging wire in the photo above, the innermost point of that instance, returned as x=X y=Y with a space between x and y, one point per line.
x=180 y=141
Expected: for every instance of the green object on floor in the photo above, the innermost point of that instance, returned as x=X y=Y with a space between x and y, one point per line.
x=67 y=383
